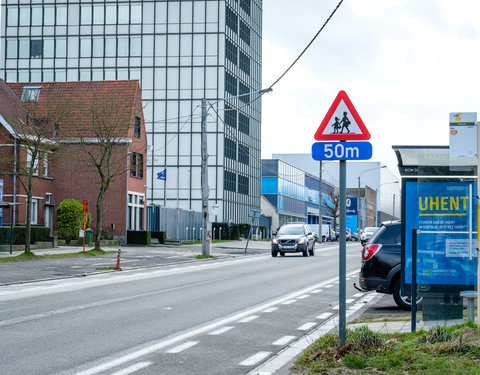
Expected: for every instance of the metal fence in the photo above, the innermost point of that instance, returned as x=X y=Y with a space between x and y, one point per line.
x=177 y=223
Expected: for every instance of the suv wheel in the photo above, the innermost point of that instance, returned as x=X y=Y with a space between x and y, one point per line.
x=305 y=252
x=312 y=250
x=404 y=302
x=274 y=253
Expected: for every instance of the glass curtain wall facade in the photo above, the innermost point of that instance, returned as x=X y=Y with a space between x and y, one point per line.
x=181 y=51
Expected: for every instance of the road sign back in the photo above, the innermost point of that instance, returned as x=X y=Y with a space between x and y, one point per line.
x=342 y=122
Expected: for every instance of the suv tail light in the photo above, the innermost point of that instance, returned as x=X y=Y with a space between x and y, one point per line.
x=370 y=251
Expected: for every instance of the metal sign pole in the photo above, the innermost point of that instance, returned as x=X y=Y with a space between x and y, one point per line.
x=343 y=254
x=414 y=281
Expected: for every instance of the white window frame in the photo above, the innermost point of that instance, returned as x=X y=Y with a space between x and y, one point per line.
x=135 y=202
x=34 y=211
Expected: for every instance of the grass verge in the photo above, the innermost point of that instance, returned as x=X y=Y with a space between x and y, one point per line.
x=204 y=256
x=32 y=256
x=440 y=350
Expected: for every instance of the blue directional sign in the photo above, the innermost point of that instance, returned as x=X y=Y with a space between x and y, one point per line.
x=342 y=150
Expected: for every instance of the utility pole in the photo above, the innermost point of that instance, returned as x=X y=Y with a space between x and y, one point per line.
x=320 y=199
x=204 y=182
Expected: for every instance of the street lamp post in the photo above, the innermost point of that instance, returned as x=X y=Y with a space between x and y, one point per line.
x=204 y=168
x=358 y=196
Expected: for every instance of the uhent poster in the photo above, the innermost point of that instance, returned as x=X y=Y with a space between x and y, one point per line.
x=444 y=211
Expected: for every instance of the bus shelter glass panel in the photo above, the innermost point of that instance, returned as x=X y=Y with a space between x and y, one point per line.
x=444 y=213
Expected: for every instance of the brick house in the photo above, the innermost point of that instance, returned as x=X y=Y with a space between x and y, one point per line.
x=82 y=122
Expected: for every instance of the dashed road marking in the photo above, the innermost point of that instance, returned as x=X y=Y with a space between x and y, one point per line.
x=182 y=347
x=133 y=368
x=324 y=315
x=328 y=286
x=350 y=300
x=284 y=340
x=304 y=296
x=289 y=302
x=270 y=309
x=307 y=326
x=248 y=319
x=316 y=291
x=254 y=359
x=356 y=295
x=221 y=330
x=337 y=307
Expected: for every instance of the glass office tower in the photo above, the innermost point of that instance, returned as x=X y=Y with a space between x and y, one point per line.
x=181 y=51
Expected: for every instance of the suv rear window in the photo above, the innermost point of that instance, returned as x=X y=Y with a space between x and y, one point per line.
x=387 y=235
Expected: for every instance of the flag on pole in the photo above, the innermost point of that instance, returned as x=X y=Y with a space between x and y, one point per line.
x=162 y=175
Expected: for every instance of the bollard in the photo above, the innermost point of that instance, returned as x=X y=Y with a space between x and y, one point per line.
x=118 y=259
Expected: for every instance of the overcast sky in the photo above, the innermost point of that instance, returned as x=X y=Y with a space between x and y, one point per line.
x=405 y=64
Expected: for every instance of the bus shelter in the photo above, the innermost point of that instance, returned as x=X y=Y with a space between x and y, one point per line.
x=439 y=209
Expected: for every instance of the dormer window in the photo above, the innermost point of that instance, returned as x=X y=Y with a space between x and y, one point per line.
x=31 y=93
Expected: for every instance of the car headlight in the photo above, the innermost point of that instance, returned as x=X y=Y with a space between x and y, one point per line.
x=301 y=241
x=275 y=241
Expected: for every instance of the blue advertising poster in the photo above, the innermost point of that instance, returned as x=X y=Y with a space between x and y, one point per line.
x=352 y=214
x=445 y=214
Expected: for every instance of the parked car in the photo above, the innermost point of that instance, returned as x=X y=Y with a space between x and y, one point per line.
x=367 y=234
x=294 y=238
x=353 y=236
x=381 y=264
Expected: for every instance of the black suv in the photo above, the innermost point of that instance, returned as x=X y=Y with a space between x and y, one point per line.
x=294 y=238
x=381 y=263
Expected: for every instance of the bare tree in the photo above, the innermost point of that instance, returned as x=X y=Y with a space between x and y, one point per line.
x=33 y=135
x=334 y=207
x=101 y=147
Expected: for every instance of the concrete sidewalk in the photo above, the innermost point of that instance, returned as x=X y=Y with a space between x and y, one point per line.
x=130 y=257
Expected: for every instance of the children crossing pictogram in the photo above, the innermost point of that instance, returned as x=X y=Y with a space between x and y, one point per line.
x=342 y=122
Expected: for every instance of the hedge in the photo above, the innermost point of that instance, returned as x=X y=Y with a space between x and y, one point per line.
x=139 y=237
x=37 y=234
x=234 y=231
x=161 y=236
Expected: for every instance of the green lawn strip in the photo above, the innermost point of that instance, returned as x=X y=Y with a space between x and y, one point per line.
x=204 y=257
x=32 y=256
x=440 y=350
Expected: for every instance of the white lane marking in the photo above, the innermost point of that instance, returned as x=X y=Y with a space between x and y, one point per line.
x=13 y=292
x=284 y=340
x=289 y=302
x=337 y=307
x=76 y=266
x=220 y=331
x=254 y=359
x=328 y=286
x=248 y=319
x=350 y=300
x=307 y=326
x=114 y=361
x=133 y=368
x=270 y=309
x=297 y=347
x=324 y=315
x=356 y=295
x=182 y=347
x=316 y=291
x=304 y=296
x=336 y=282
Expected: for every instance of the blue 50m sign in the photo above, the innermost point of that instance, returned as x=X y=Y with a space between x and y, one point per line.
x=342 y=150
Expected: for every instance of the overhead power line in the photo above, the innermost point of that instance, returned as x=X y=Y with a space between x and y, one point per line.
x=308 y=45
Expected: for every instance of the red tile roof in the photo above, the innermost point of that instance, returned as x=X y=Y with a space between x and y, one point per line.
x=86 y=108
x=11 y=109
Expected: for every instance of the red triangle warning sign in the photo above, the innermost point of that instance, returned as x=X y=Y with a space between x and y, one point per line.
x=342 y=122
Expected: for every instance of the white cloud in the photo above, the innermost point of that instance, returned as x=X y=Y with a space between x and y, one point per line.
x=405 y=65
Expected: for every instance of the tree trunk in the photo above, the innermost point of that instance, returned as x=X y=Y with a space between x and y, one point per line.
x=28 y=225
x=98 y=226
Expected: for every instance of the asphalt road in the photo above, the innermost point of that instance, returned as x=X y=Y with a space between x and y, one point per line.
x=222 y=316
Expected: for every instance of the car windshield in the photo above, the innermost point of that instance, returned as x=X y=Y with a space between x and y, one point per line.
x=291 y=229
